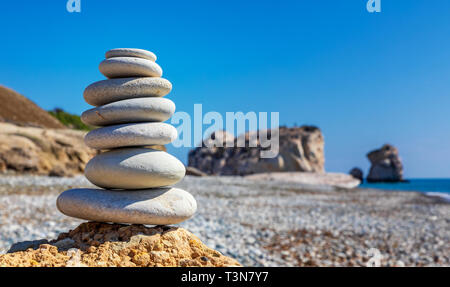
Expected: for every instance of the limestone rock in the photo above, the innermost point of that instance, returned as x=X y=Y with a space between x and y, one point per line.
x=300 y=149
x=112 y=90
x=134 y=168
x=386 y=165
x=127 y=52
x=130 y=111
x=127 y=135
x=219 y=138
x=159 y=206
x=123 y=67
x=57 y=152
x=107 y=245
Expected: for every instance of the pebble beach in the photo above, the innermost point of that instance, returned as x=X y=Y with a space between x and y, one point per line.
x=265 y=222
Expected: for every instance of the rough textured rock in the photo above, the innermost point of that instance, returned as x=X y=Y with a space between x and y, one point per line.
x=386 y=165
x=301 y=149
x=219 y=138
x=357 y=173
x=100 y=245
x=56 y=152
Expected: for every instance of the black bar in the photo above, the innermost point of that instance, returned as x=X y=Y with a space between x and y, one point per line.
x=246 y=276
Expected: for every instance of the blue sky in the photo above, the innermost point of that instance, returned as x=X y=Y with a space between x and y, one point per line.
x=364 y=79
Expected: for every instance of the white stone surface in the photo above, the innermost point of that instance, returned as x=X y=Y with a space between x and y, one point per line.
x=129 y=52
x=123 y=67
x=134 y=168
x=112 y=90
x=127 y=135
x=161 y=206
x=130 y=111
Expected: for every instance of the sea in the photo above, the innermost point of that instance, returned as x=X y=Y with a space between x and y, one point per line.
x=433 y=187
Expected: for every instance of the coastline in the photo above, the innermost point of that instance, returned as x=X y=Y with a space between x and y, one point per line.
x=433 y=187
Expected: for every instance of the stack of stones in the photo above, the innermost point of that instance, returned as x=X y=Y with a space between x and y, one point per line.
x=135 y=179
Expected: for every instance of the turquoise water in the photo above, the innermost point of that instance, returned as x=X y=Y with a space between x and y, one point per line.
x=429 y=186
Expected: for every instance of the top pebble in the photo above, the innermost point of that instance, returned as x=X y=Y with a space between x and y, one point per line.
x=127 y=52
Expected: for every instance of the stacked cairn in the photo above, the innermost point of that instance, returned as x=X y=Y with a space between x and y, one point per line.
x=135 y=179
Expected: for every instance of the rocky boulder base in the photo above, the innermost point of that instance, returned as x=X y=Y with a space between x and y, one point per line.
x=300 y=149
x=386 y=165
x=113 y=245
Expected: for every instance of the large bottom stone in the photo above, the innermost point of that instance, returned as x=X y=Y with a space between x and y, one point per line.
x=159 y=206
x=100 y=244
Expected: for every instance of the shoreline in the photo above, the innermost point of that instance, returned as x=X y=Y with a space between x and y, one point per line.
x=330 y=181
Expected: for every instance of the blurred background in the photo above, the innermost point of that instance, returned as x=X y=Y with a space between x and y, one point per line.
x=364 y=79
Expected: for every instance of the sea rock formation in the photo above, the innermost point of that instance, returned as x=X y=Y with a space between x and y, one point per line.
x=300 y=149
x=386 y=165
x=43 y=151
x=135 y=177
x=357 y=173
x=113 y=245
